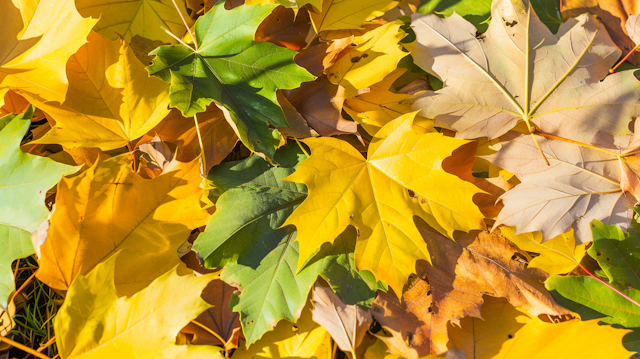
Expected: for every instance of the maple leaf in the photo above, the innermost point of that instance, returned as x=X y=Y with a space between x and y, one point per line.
x=218 y=319
x=375 y=56
x=613 y=14
x=145 y=18
x=379 y=106
x=579 y=184
x=39 y=37
x=491 y=83
x=24 y=182
x=338 y=268
x=218 y=137
x=109 y=208
x=347 y=324
x=340 y=15
x=378 y=196
x=482 y=338
x=238 y=73
x=142 y=326
x=558 y=255
x=452 y=288
x=244 y=237
x=304 y=339
x=126 y=102
x=573 y=338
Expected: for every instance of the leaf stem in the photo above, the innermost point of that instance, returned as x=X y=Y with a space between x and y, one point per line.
x=184 y=22
x=302 y=148
x=47 y=344
x=24 y=348
x=204 y=159
x=33 y=148
x=578 y=143
x=609 y=285
x=613 y=69
x=135 y=163
x=208 y=330
x=24 y=285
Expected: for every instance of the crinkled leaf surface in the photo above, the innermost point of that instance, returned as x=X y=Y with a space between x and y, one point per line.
x=402 y=176
x=110 y=208
x=24 y=182
x=245 y=237
x=580 y=184
x=236 y=72
x=347 y=324
x=520 y=71
x=145 y=18
x=302 y=340
x=111 y=100
x=559 y=255
x=38 y=38
x=94 y=323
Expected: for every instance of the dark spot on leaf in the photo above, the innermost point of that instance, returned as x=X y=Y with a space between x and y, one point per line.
x=598 y=253
x=364 y=56
x=294 y=328
x=409 y=338
x=599 y=18
x=511 y=24
x=355 y=60
x=429 y=310
x=351 y=216
x=510 y=336
x=272 y=127
x=627 y=48
x=608 y=259
x=354 y=44
x=411 y=193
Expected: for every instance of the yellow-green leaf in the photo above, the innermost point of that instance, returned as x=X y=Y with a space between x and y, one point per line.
x=402 y=176
x=111 y=99
x=94 y=323
x=347 y=14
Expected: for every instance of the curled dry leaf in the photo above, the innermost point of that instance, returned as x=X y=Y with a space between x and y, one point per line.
x=284 y=27
x=475 y=264
x=320 y=104
x=614 y=14
x=347 y=324
x=219 y=318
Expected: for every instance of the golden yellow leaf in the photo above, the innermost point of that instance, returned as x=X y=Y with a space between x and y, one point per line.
x=559 y=255
x=304 y=339
x=378 y=106
x=347 y=14
x=482 y=338
x=94 y=323
x=571 y=339
x=109 y=208
x=38 y=38
x=376 y=55
x=111 y=99
x=379 y=351
x=402 y=176
x=146 y=18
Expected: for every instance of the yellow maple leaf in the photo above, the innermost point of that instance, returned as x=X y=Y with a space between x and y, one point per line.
x=402 y=176
x=38 y=38
x=109 y=208
x=147 y=18
x=94 y=323
x=304 y=339
x=349 y=14
x=125 y=102
x=378 y=106
x=376 y=55
x=571 y=339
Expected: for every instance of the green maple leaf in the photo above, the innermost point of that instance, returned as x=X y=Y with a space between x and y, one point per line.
x=244 y=237
x=236 y=72
x=24 y=181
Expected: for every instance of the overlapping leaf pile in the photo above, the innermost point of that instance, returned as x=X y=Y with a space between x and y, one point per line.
x=322 y=178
